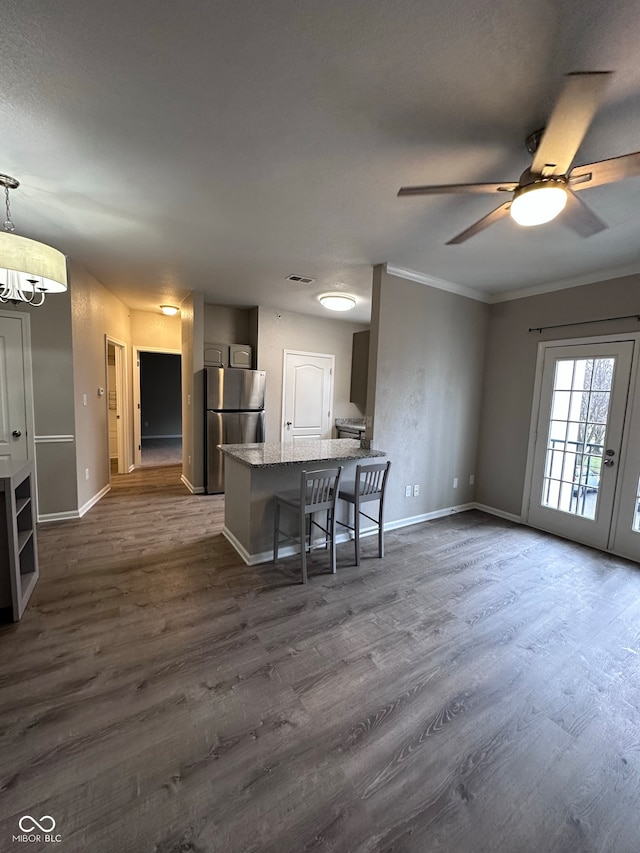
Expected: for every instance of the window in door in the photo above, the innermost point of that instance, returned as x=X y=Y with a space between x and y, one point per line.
x=577 y=428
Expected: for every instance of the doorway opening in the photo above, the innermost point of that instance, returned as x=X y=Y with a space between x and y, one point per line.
x=159 y=408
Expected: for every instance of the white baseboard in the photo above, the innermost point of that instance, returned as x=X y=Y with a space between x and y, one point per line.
x=427 y=516
x=285 y=550
x=508 y=516
x=84 y=509
x=195 y=490
x=151 y=437
x=47 y=517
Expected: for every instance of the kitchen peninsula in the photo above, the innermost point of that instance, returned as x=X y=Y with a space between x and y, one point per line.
x=255 y=472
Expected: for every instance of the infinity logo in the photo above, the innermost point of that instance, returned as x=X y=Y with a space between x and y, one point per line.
x=28 y=823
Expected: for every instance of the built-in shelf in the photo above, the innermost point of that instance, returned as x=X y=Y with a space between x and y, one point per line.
x=18 y=550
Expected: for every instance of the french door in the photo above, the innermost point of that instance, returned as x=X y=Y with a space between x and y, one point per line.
x=584 y=482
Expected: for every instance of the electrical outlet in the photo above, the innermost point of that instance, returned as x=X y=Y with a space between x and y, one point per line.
x=472 y=479
x=455 y=482
x=189 y=460
x=188 y=399
x=84 y=399
x=407 y=491
x=86 y=473
x=416 y=490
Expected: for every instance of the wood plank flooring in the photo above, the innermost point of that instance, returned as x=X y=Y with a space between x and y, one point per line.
x=476 y=691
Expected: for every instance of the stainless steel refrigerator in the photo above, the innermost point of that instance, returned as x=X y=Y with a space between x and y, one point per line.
x=234 y=402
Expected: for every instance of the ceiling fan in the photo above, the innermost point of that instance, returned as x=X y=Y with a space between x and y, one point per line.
x=549 y=185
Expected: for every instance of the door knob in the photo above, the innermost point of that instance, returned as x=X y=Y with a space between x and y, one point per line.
x=16 y=433
x=609 y=462
x=289 y=424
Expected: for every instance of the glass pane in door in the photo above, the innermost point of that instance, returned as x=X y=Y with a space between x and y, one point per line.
x=580 y=408
x=636 y=512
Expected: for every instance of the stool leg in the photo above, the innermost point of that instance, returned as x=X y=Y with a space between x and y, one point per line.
x=380 y=532
x=303 y=544
x=332 y=530
x=276 y=531
x=356 y=525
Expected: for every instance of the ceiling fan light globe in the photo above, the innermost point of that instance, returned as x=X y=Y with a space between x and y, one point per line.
x=538 y=203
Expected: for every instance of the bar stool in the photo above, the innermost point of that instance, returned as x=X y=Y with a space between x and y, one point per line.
x=369 y=485
x=318 y=492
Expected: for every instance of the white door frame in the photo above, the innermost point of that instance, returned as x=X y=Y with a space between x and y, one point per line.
x=535 y=408
x=287 y=352
x=137 y=414
x=32 y=439
x=122 y=396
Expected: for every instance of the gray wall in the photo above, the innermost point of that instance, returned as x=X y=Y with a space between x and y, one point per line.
x=279 y=330
x=160 y=394
x=425 y=391
x=510 y=374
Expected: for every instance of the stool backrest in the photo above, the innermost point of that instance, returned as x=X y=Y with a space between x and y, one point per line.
x=319 y=489
x=371 y=481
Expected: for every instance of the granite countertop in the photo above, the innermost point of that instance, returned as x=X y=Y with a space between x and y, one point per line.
x=352 y=423
x=271 y=454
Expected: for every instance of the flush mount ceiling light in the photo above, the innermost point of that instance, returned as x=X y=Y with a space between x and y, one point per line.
x=539 y=202
x=28 y=269
x=337 y=301
x=169 y=310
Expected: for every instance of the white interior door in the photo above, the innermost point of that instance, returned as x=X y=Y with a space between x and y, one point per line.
x=307 y=402
x=116 y=404
x=579 y=432
x=13 y=410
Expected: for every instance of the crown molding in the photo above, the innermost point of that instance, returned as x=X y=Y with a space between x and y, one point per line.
x=440 y=283
x=523 y=293
x=566 y=283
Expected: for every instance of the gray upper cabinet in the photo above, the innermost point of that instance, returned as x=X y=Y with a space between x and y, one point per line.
x=216 y=355
x=240 y=355
x=360 y=369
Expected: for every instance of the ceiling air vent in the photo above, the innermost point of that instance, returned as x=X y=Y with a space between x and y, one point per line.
x=301 y=279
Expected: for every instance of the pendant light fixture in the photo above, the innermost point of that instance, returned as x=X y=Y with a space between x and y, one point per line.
x=28 y=269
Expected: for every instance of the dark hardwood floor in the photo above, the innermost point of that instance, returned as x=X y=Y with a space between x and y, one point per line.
x=476 y=691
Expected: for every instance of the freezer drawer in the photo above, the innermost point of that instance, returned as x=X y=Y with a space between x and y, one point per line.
x=234 y=389
x=228 y=428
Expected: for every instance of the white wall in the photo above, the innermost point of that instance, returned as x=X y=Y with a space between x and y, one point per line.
x=279 y=330
x=155 y=330
x=192 y=326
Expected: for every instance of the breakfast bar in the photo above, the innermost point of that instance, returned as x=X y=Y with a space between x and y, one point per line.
x=255 y=472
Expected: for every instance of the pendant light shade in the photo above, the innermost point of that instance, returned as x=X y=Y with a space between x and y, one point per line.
x=28 y=269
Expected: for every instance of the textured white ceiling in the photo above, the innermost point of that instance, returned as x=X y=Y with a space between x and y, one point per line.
x=220 y=145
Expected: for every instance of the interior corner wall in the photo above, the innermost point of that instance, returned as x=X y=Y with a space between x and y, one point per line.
x=95 y=312
x=155 y=330
x=279 y=330
x=427 y=392
x=192 y=334
x=509 y=374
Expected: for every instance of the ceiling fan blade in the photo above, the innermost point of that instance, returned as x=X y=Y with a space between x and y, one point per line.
x=459 y=188
x=605 y=171
x=570 y=120
x=581 y=218
x=481 y=224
